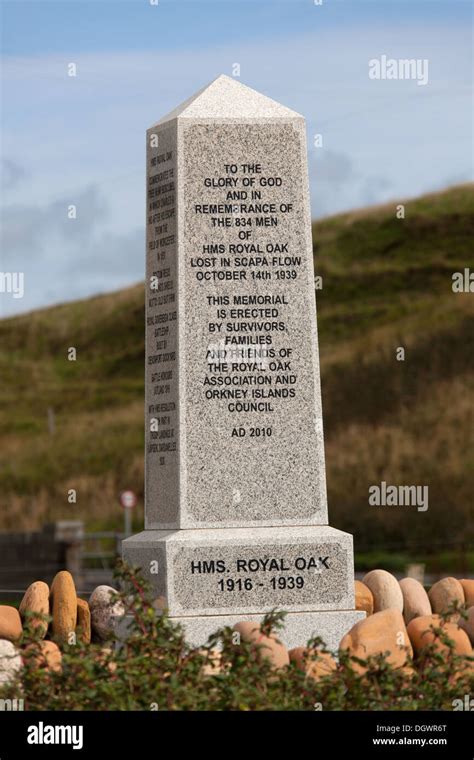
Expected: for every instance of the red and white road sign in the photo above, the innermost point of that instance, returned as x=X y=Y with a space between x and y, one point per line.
x=128 y=499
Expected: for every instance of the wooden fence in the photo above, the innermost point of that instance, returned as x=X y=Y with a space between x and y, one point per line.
x=38 y=556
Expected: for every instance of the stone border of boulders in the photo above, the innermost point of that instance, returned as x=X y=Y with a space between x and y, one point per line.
x=400 y=620
x=56 y=616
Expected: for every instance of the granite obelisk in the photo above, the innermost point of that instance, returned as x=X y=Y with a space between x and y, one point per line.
x=235 y=507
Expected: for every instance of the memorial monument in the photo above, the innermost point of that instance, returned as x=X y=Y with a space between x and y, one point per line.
x=235 y=489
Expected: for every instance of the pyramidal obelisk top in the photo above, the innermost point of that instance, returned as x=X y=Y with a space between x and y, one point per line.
x=226 y=98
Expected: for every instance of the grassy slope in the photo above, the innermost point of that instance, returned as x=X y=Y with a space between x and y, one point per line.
x=387 y=283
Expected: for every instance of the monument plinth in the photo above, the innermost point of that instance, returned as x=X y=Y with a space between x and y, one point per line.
x=235 y=486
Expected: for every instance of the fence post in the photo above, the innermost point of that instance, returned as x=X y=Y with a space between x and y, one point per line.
x=70 y=533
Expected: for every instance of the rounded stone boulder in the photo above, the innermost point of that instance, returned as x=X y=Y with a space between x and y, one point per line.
x=104 y=611
x=83 y=621
x=46 y=655
x=416 y=602
x=423 y=632
x=10 y=662
x=385 y=590
x=34 y=607
x=11 y=628
x=468 y=624
x=383 y=631
x=444 y=593
x=314 y=667
x=468 y=588
x=63 y=601
x=268 y=647
x=212 y=665
x=364 y=599
x=105 y=658
x=464 y=671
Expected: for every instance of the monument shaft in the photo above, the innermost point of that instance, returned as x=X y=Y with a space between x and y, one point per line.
x=234 y=433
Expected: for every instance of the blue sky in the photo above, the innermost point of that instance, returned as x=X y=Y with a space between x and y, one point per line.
x=81 y=140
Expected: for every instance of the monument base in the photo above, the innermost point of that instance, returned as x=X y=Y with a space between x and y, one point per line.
x=236 y=571
x=299 y=626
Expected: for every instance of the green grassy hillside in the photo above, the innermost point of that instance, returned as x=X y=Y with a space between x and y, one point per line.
x=386 y=283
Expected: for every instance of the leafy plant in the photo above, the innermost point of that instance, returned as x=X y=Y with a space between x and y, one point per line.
x=152 y=667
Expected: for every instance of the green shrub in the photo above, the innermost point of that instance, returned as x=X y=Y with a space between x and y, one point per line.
x=155 y=669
